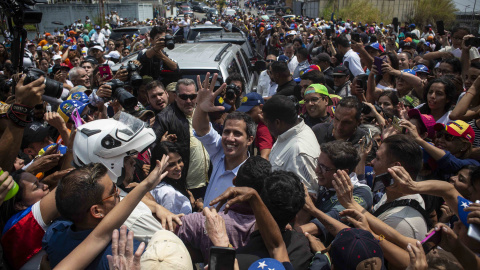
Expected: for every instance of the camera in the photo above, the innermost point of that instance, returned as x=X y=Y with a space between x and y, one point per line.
x=169 y=42
x=232 y=91
x=135 y=78
x=52 y=87
x=126 y=99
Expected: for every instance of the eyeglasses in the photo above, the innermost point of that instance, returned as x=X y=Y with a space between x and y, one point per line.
x=338 y=76
x=269 y=61
x=324 y=168
x=115 y=194
x=448 y=137
x=186 y=97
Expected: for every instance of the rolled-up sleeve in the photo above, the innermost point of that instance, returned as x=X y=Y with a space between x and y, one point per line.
x=212 y=141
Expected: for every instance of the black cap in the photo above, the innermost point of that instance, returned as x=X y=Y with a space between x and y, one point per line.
x=34 y=132
x=324 y=57
x=340 y=70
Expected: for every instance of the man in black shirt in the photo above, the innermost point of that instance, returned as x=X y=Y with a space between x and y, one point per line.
x=281 y=76
x=155 y=61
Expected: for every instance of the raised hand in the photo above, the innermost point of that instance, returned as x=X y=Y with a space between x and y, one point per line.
x=206 y=96
x=344 y=188
x=418 y=259
x=215 y=227
x=158 y=173
x=232 y=196
x=122 y=257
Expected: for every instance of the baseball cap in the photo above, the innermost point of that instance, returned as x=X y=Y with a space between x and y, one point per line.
x=219 y=101
x=377 y=46
x=410 y=71
x=427 y=120
x=320 y=89
x=249 y=101
x=140 y=112
x=98 y=47
x=310 y=68
x=340 y=70
x=171 y=87
x=282 y=58
x=97 y=27
x=56 y=57
x=79 y=96
x=166 y=251
x=34 y=132
x=114 y=55
x=353 y=247
x=80 y=88
x=457 y=128
x=66 y=108
x=268 y=263
x=420 y=68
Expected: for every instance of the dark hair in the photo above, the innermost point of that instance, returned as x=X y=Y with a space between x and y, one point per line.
x=236 y=77
x=474 y=174
x=253 y=172
x=157 y=30
x=342 y=154
x=316 y=76
x=303 y=52
x=284 y=195
x=392 y=95
x=297 y=40
x=351 y=102
x=401 y=148
x=165 y=148
x=475 y=65
x=282 y=108
x=280 y=68
x=455 y=63
x=119 y=43
x=343 y=41
x=7 y=209
x=79 y=190
x=251 y=126
x=154 y=84
x=394 y=64
x=450 y=93
x=408 y=54
x=460 y=28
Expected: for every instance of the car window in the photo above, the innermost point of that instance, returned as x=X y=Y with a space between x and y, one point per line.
x=192 y=34
x=233 y=67
x=243 y=65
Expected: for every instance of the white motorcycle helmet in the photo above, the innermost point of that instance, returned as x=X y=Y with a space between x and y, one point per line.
x=109 y=141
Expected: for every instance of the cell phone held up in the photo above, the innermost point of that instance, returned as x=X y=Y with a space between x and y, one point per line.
x=474 y=42
x=382 y=180
x=440 y=28
x=432 y=240
x=221 y=258
x=377 y=61
x=105 y=72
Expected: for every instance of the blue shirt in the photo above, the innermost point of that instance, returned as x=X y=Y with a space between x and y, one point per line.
x=60 y=240
x=221 y=178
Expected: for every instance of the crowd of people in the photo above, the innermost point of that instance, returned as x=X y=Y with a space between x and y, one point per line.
x=359 y=141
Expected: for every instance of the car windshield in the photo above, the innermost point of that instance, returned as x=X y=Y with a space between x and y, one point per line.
x=212 y=10
x=117 y=33
x=193 y=33
x=193 y=73
x=185 y=8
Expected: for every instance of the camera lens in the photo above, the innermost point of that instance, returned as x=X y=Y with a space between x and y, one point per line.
x=135 y=79
x=52 y=87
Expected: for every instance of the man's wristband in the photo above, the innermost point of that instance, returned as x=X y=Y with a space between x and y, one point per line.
x=21 y=109
x=16 y=119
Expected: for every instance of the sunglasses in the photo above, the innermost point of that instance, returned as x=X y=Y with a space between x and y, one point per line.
x=448 y=137
x=186 y=97
x=269 y=61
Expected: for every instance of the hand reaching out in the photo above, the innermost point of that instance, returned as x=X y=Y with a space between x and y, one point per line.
x=122 y=257
x=357 y=219
x=418 y=259
x=344 y=188
x=232 y=196
x=215 y=227
x=206 y=96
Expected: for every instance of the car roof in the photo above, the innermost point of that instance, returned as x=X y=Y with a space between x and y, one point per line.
x=199 y=55
x=128 y=28
x=205 y=26
x=223 y=36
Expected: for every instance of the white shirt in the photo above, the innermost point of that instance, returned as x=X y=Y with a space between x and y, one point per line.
x=106 y=33
x=98 y=38
x=141 y=221
x=297 y=150
x=172 y=199
x=353 y=62
x=474 y=54
x=263 y=84
x=292 y=64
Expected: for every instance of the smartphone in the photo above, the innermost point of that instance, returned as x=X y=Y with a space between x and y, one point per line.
x=76 y=118
x=49 y=108
x=474 y=42
x=396 y=125
x=378 y=63
x=328 y=32
x=474 y=229
x=432 y=240
x=105 y=72
x=381 y=181
x=356 y=37
x=221 y=258
x=440 y=28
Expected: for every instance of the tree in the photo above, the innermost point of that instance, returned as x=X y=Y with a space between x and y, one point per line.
x=363 y=11
x=428 y=12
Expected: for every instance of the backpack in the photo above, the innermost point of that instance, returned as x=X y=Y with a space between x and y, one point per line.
x=407 y=202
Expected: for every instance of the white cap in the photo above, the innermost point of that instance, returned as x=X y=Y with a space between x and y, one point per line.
x=114 y=55
x=56 y=57
x=166 y=251
x=98 y=47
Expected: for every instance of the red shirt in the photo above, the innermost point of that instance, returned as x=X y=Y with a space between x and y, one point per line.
x=263 y=138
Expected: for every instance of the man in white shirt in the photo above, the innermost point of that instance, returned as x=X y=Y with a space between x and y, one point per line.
x=185 y=24
x=106 y=32
x=296 y=148
x=264 y=80
x=350 y=59
x=98 y=37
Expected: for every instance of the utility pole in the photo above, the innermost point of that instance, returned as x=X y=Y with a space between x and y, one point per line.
x=473 y=13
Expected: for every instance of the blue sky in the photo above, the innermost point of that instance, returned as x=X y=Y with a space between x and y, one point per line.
x=468 y=4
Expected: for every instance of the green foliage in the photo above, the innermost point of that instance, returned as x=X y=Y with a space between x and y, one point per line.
x=363 y=11
x=30 y=27
x=428 y=12
x=327 y=11
x=220 y=5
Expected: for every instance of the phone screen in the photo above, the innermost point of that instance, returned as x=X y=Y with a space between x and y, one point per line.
x=221 y=258
x=432 y=240
x=378 y=63
x=105 y=72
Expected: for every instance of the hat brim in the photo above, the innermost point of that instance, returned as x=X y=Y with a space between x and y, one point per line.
x=245 y=108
